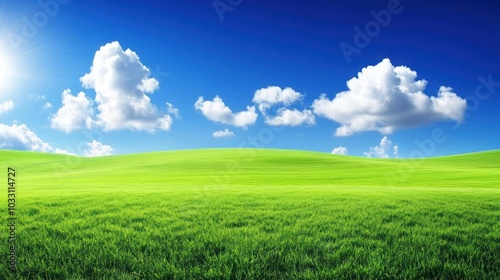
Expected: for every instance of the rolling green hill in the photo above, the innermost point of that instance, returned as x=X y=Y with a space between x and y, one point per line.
x=254 y=214
x=247 y=167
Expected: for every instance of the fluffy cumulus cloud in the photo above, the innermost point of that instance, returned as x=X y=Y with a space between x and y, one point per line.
x=274 y=96
x=291 y=117
x=6 y=106
x=20 y=137
x=384 y=98
x=223 y=133
x=97 y=149
x=383 y=150
x=121 y=83
x=217 y=111
x=75 y=113
x=340 y=151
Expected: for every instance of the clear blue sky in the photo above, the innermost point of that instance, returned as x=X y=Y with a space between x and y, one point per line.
x=192 y=74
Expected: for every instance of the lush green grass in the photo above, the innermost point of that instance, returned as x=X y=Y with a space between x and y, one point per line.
x=255 y=214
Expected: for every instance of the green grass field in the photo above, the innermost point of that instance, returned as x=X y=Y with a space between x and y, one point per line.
x=253 y=214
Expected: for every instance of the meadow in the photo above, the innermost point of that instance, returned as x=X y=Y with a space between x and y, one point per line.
x=253 y=214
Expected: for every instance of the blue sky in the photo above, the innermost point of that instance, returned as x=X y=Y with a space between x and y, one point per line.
x=367 y=78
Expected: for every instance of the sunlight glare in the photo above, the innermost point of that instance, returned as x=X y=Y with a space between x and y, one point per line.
x=6 y=70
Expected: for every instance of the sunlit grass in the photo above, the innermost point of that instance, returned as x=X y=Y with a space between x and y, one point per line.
x=255 y=214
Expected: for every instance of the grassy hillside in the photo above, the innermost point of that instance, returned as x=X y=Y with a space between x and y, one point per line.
x=258 y=214
x=248 y=167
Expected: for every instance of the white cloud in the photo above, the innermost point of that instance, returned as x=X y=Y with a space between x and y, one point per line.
x=172 y=110
x=20 y=137
x=121 y=83
x=223 y=133
x=47 y=105
x=384 y=98
x=75 y=113
x=383 y=149
x=6 y=106
x=271 y=96
x=97 y=149
x=36 y=97
x=340 y=151
x=217 y=111
x=293 y=117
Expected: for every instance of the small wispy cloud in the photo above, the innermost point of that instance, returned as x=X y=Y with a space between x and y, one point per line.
x=223 y=133
x=173 y=111
x=340 y=151
x=47 y=105
x=37 y=97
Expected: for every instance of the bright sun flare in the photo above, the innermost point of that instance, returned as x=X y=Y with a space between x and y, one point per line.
x=3 y=67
